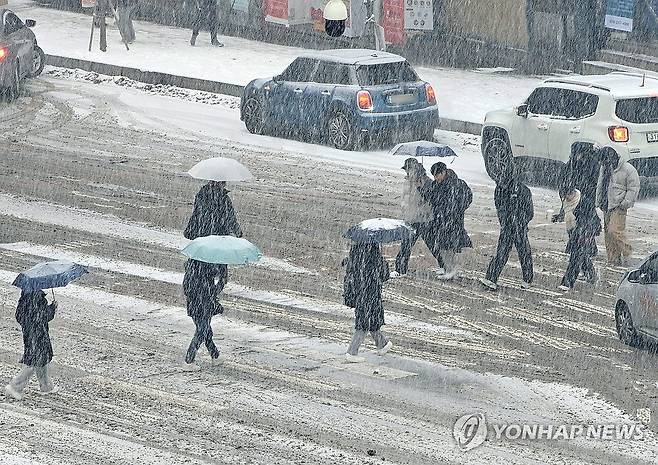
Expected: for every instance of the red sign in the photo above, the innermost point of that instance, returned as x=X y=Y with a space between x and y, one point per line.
x=393 y=21
x=276 y=8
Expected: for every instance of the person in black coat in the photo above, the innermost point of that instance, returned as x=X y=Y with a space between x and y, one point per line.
x=449 y=197
x=582 y=245
x=206 y=15
x=515 y=210
x=33 y=314
x=365 y=273
x=201 y=290
x=213 y=213
x=580 y=172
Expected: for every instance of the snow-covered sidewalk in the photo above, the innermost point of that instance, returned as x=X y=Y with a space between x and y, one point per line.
x=463 y=95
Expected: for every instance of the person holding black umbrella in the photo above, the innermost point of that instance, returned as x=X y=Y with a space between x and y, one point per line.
x=365 y=273
x=33 y=314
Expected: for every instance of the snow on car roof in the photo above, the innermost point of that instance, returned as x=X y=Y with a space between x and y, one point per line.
x=357 y=56
x=620 y=85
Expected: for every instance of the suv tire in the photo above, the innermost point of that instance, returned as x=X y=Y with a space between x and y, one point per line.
x=498 y=157
x=253 y=116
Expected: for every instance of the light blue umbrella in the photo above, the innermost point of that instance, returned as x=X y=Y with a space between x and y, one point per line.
x=48 y=275
x=423 y=149
x=224 y=250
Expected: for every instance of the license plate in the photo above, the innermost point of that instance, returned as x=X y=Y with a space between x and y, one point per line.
x=652 y=137
x=402 y=99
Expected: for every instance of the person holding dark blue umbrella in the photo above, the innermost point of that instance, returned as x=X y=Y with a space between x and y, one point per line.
x=33 y=314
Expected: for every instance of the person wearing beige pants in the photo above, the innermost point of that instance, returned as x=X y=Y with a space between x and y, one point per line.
x=617 y=245
x=617 y=191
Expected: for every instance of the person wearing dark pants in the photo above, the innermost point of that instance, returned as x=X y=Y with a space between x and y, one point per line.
x=513 y=201
x=206 y=16
x=201 y=290
x=417 y=213
x=582 y=244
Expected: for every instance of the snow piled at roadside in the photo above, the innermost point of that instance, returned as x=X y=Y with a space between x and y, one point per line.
x=208 y=98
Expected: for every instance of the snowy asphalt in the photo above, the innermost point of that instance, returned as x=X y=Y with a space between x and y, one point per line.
x=95 y=173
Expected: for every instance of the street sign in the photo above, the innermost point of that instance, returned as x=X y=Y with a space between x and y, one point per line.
x=419 y=14
x=619 y=15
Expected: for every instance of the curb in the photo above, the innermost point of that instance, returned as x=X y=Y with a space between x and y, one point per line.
x=235 y=90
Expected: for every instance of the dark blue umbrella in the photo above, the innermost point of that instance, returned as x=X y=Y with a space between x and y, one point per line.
x=379 y=230
x=48 y=275
x=423 y=149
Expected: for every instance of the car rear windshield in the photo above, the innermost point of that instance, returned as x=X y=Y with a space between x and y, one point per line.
x=638 y=110
x=386 y=73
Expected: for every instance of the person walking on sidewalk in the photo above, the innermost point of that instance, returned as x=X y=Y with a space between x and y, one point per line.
x=33 y=314
x=513 y=201
x=449 y=197
x=200 y=290
x=417 y=213
x=365 y=273
x=206 y=14
x=125 y=10
x=617 y=191
x=582 y=230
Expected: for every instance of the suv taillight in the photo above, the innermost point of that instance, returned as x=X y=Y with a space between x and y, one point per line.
x=431 y=96
x=364 y=100
x=4 y=53
x=618 y=133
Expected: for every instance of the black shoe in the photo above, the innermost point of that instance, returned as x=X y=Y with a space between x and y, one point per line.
x=216 y=43
x=193 y=40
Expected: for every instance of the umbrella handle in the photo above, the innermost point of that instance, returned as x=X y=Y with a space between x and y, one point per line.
x=53 y=291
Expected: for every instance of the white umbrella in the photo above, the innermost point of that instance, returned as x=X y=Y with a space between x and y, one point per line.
x=221 y=169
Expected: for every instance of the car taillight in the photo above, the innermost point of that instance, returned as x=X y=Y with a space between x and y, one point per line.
x=618 y=133
x=431 y=96
x=364 y=100
x=4 y=53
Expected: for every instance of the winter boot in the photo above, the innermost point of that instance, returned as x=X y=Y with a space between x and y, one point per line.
x=52 y=390
x=215 y=42
x=526 y=285
x=349 y=358
x=193 y=39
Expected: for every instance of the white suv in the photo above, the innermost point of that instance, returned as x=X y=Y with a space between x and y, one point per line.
x=616 y=109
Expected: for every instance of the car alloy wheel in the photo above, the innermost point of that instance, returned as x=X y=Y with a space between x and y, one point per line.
x=253 y=116
x=38 y=61
x=340 y=131
x=625 y=327
x=498 y=158
x=15 y=88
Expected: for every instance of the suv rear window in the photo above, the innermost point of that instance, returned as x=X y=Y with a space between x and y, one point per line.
x=562 y=103
x=638 y=110
x=386 y=73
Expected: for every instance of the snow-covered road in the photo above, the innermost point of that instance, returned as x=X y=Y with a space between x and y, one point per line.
x=95 y=173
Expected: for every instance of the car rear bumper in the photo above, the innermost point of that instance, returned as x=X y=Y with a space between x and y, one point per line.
x=399 y=121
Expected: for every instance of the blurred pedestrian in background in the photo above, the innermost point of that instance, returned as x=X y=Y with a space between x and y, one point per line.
x=206 y=15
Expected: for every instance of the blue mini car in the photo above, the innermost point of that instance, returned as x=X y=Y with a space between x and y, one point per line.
x=345 y=97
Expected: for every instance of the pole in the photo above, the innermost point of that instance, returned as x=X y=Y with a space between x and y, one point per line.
x=93 y=19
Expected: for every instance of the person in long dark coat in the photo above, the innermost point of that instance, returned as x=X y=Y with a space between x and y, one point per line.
x=582 y=244
x=513 y=202
x=365 y=273
x=206 y=16
x=449 y=197
x=200 y=290
x=33 y=314
x=213 y=213
x=125 y=10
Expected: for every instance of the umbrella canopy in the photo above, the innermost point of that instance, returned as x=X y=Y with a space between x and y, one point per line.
x=221 y=169
x=423 y=149
x=48 y=275
x=224 y=250
x=379 y=230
